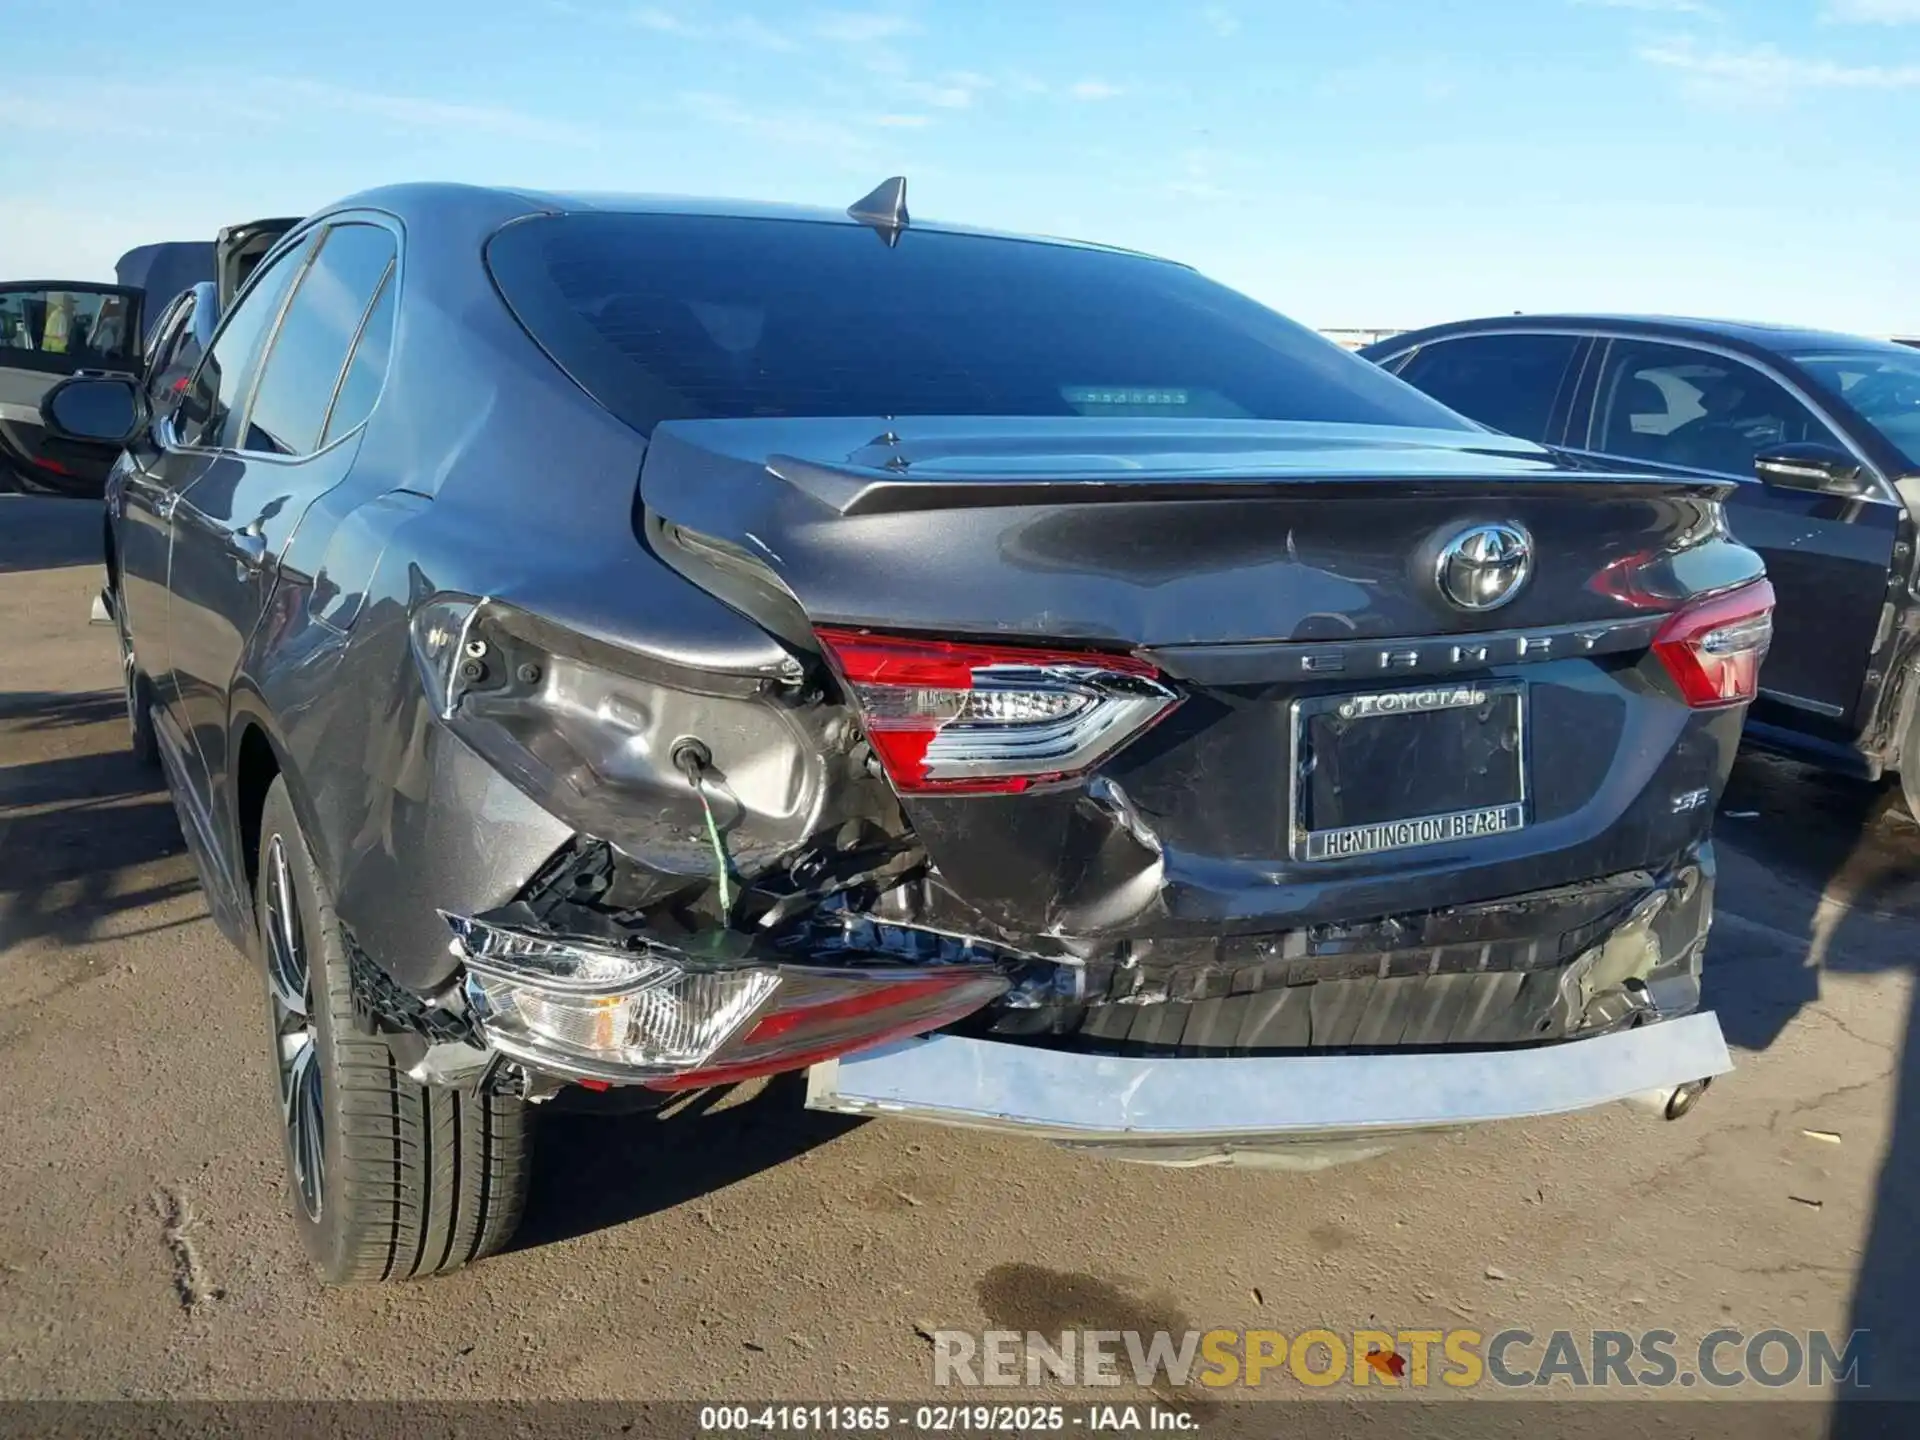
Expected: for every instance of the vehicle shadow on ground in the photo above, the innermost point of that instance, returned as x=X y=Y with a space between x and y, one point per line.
x=598 y=1169
x=1821 y=875
x=47 y=533
x=1817 y=873
x=82 y=837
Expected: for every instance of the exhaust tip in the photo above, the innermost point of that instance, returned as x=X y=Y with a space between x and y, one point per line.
x=1685 y=1097
x=1672 y=1102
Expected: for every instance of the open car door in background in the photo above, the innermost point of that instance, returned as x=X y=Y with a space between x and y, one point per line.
x=50 y=329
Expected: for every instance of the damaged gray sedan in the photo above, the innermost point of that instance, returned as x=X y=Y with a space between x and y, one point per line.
x=628 y=643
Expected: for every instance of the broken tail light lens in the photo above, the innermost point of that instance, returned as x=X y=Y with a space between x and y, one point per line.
x=817 y=1015
x=651 y=1014
x=592 y=1006
x=945 y=716
x=1713 y=649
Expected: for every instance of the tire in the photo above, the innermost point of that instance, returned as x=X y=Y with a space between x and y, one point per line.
x=1909 y=772
x=137 y=691
x=396 y=1180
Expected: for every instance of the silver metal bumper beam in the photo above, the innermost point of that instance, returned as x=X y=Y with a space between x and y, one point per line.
x=1227 y=1103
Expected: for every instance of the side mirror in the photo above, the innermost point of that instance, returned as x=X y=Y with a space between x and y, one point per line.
x=103 y=409
x=1809 y=465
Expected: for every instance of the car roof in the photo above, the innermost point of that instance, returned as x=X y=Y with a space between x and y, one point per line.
x=1748 y=334
x=410 y=199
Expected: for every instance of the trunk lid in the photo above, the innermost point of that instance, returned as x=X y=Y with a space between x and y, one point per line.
x=238 y=249
x=1150 y=534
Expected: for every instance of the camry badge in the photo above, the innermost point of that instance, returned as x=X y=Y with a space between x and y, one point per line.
x=1484 y=567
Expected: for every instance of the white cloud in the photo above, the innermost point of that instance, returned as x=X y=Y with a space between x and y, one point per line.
x=739 y=29
x=799 y=129
x=1767 y=69
x=861 y=27
x=1653 y=7
x=1874 y=12
x=756 y=32
x=1209 y=173
x=414 y=113
x=957 y=91
x=901 y=122
x=1222 y=21
x=1094 y=90
x=27 y=113
x=664 y=21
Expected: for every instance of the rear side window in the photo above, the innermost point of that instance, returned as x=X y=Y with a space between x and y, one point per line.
x=666 y=317
x=1698 y=409
x=219 y=387
x=309 y=352
x=367 y=370
x=1507 y=382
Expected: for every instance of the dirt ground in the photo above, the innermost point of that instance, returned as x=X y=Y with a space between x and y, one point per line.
x=763 y=1251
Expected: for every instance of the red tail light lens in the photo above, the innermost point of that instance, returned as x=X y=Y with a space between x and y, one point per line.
x=819 y=1015
x=947 y=717
x=593 y=1010
x=1713 y=649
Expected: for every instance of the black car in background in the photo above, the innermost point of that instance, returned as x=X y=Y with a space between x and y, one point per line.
x=1822 y=432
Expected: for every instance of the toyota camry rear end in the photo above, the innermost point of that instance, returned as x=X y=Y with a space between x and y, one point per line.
x=1021 y=684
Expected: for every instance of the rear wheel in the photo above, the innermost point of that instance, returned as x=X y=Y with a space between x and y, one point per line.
x=389 y=1179
x=1909 y=775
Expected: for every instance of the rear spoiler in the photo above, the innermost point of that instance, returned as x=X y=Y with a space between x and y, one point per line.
x=857 y=490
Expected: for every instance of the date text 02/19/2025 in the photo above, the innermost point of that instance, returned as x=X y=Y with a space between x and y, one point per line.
x=941 y=1419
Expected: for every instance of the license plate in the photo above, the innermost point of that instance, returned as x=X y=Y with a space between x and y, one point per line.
x=1395 y=769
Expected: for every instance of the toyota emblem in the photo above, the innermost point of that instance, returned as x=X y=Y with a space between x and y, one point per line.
x=1485 y=567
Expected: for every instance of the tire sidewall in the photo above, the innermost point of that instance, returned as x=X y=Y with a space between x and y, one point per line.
x=136 y=689
x=325 y=1237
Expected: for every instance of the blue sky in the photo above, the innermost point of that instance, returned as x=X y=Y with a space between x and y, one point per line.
x=1350 y=162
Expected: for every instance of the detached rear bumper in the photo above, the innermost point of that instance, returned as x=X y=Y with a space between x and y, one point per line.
x=1191 y=1111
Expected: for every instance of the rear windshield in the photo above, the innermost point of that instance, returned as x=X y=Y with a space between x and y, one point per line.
x=665 y=317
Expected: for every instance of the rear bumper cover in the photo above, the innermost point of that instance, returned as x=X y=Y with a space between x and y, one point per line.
x=1206 y=1107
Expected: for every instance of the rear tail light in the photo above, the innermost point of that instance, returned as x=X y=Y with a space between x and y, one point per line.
x=950 y=717
x=1713 y=649
x=654 y=1015
x=819 y=1014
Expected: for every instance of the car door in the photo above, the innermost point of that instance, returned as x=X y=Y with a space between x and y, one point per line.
x=50 y=329
x=269 y=456
x=1670 y=405
x=137 y=498
x=171 y=453
x=1517 y=382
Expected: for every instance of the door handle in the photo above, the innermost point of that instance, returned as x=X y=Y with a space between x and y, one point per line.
x=250 y=546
